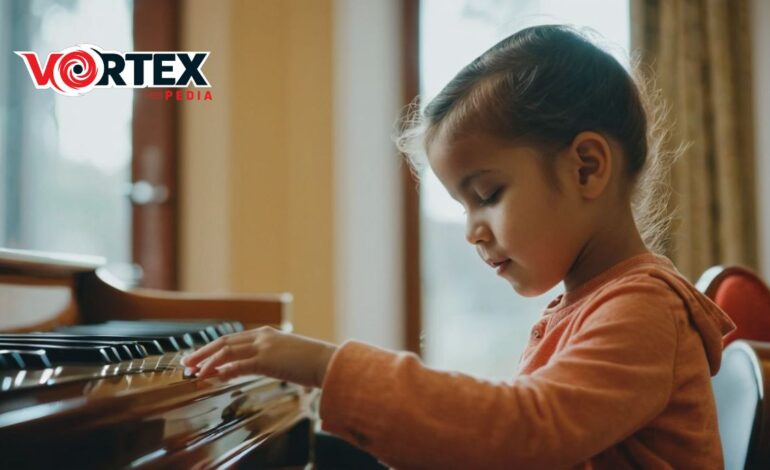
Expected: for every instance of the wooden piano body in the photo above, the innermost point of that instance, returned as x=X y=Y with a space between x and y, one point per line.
x=138 y=413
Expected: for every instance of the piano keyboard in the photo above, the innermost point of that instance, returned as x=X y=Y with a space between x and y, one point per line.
x=104 y=349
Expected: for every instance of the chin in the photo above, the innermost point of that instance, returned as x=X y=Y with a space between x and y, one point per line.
x=524 y=291
x=529 y=290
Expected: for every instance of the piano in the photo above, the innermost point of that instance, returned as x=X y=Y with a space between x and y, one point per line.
x=90 y=375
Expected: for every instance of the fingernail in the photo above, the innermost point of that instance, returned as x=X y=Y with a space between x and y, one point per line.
x=188 y=373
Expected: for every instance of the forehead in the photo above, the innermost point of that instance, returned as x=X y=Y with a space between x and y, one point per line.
x=452 y=157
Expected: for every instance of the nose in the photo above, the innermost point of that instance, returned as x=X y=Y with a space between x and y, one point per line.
x=476 y=231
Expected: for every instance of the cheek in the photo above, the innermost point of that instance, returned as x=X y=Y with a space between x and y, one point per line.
x=540 y=232
x=527 y=219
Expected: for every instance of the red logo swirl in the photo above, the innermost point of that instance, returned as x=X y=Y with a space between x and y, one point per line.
x=77 y=69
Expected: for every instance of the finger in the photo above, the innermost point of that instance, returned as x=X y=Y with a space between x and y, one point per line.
x=236 y=368
x=229 y=353
x=209 y=349
x=199 y=355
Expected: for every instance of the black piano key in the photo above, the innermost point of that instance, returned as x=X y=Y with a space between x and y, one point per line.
x=24 y=359
x=140 y=347
x=188 y=341
x=69 y=354
x=124 y=350
x=166 y=343
x=35 y=359
x=186 y=334
x=210 y=329
x=11 y=360
x=225 y=328
x=107 y=343
x=212 y=332
x=201 y=337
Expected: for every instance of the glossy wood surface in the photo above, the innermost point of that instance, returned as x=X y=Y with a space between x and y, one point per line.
x=41 y=291
x=102 y=297
x=120 y=417
x=142 y=413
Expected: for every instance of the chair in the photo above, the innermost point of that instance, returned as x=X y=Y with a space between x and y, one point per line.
x=742 y=412
x=744 y=296
x=744 y=376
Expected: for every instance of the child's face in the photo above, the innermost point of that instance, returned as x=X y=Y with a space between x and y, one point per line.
x=513 y=212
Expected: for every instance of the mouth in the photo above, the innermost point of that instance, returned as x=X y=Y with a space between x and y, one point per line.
x=499 y=265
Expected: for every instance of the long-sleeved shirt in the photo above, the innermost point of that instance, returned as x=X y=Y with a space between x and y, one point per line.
x=616 y=375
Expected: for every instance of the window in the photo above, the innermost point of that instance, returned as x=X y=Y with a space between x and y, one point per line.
x=473 y=321
x=64 y=161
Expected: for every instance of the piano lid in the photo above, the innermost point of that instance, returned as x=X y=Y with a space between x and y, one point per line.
x=40 y=291
x=12 y=260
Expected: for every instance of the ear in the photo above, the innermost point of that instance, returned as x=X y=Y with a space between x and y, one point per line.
x=591 y=163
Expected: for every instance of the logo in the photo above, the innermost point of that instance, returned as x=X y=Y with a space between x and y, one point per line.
x=77 y=70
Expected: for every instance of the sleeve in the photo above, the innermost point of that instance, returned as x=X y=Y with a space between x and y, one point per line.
x=614 y=376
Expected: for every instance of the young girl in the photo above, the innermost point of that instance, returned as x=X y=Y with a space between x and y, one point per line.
x=543 y=139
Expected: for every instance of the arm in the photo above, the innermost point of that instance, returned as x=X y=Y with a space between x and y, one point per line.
x=614 y=376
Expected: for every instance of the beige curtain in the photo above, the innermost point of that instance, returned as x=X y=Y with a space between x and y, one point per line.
x=699 y=52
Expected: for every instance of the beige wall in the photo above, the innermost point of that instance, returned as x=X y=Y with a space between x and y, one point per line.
x=256 y=163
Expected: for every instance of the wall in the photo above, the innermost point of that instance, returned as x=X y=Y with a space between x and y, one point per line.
x=289 y=180
x=256 y=165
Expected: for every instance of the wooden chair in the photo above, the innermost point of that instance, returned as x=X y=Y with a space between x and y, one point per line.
x=744 y=376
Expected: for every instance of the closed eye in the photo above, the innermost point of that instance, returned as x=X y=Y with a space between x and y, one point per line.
x=491 y=199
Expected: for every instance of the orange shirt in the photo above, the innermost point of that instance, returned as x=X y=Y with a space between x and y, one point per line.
x=616 y=375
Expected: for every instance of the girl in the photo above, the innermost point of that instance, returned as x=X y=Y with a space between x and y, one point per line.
x=543 y=139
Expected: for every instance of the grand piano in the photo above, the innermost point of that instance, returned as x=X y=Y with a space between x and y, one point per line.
x=90 y=375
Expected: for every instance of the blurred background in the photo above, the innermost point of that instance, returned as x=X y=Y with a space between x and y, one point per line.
x=288 y=180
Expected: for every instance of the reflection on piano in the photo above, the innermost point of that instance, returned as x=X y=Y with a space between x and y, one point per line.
x=90 y=375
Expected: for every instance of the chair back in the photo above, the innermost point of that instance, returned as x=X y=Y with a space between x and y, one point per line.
x=744 y=296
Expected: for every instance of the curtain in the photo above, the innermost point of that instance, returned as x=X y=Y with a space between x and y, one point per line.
x=698 y=52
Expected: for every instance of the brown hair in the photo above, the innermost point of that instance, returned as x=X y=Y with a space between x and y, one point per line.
x=546 y=84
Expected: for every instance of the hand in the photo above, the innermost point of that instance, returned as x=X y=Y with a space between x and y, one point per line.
x=265 y=351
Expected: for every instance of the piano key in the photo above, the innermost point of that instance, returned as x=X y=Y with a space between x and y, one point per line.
x=126 y=350
x=184 y=336
x=167 y=343
x=140 y=346
x=69 y=354
x=187 y=333
x=212 y=332
x=115 y=352
x=212 y=329
x=225 y=328
x=11 y=360
x=35 y=359
x=222 y=326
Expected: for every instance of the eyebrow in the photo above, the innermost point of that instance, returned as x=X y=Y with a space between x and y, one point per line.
x=467 y=179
